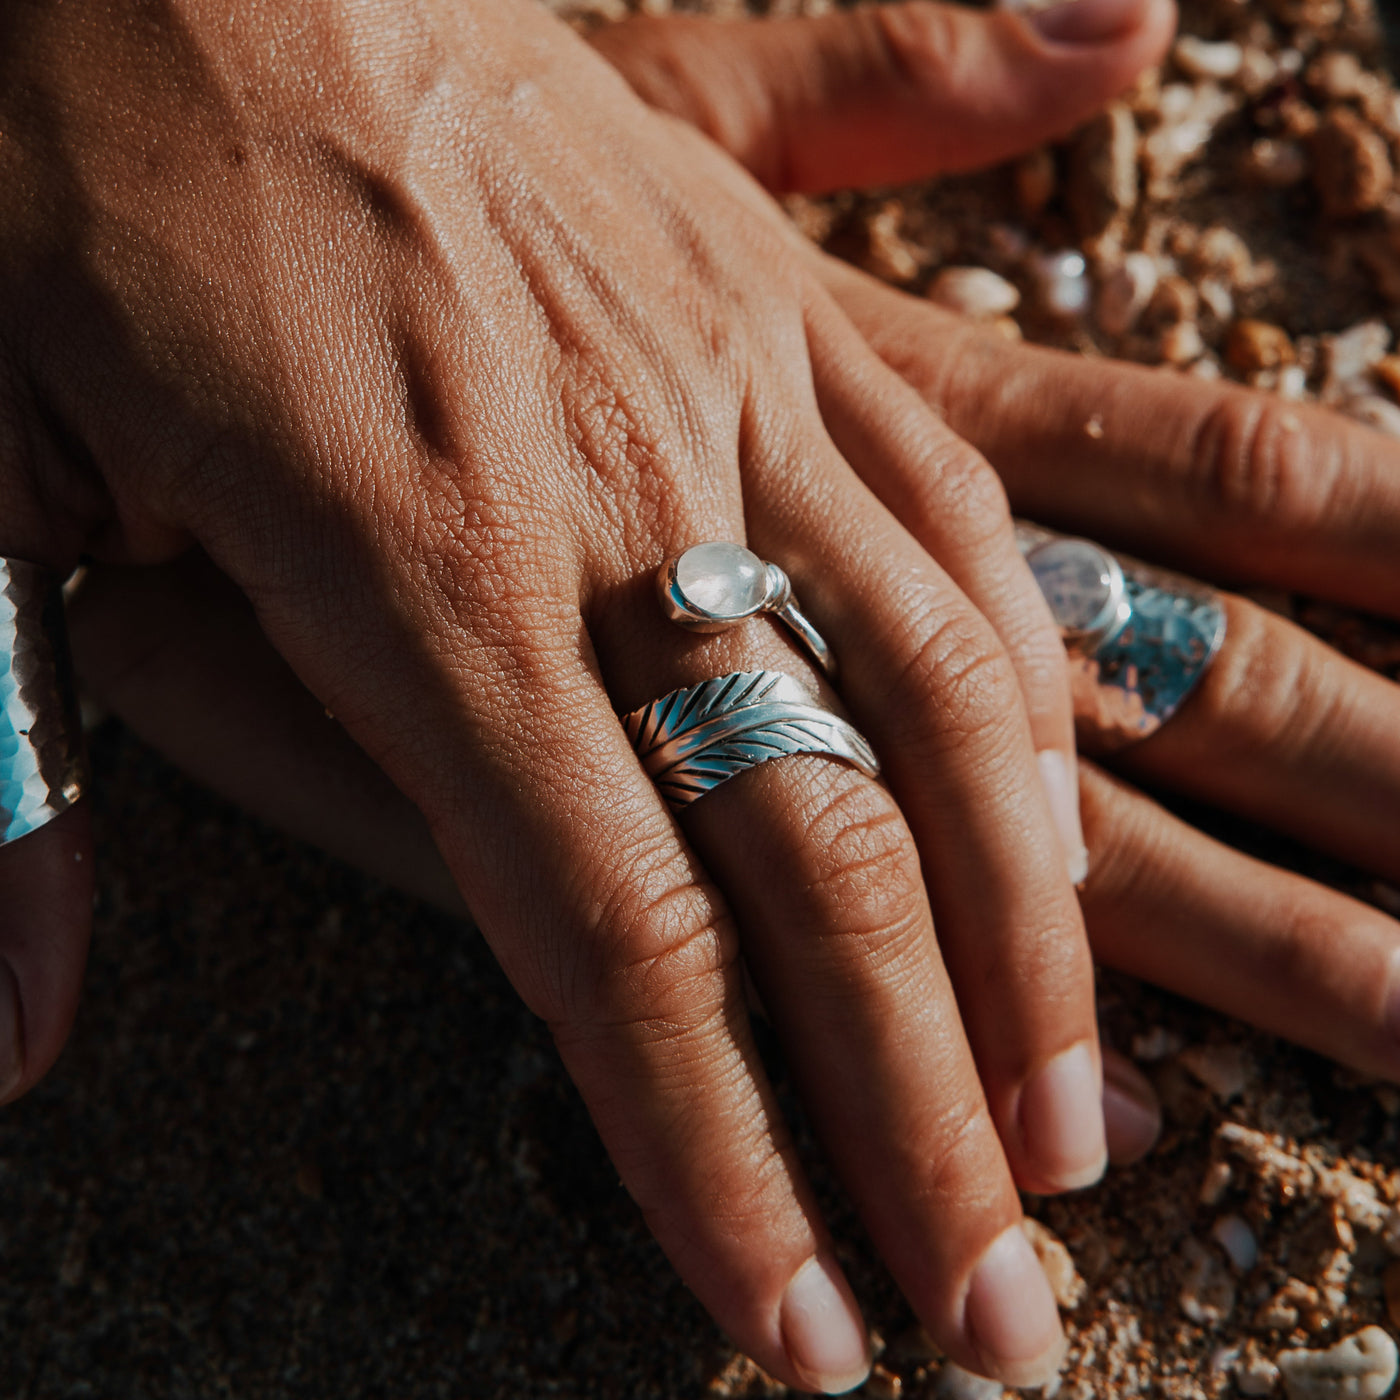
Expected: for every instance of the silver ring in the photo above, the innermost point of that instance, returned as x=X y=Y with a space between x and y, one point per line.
x=712 y=586
x=41 y=763
x=1139 y=638
x=695 y=738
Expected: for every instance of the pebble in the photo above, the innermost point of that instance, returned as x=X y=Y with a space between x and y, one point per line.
x=1233 y=1234
x=1360 y=1367
x=974 y=291
x=1062 y=281
x=888 y=254
x=1101 y=182
x=1207 y=1293
x=1292 y=383
x=1258 y=70
x=1215 y=1183
x=1181 y=344
x=1125 y=292
x=1198 y=58
x=1216 y=298
x=1253 y=345
x=1351 y=164
x=1348 y=358
x=1156 y=1043
x=1337 y=75
x=882 y=1384
x=1057 y=1262
x=1256 y=1376
x=1035 y=179
x=1190 y=115
x=1277 y=164
x=956 y=1384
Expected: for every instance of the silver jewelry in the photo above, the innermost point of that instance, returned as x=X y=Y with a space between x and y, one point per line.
x=710 y=587
x=1139 y=638
x=41 y=765
x=698 y=737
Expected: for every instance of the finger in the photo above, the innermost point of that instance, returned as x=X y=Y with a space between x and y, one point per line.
x=885 y=93
x=176 y=653
x=932 y=686
x=926 y=475
x=1214 y=478
x=1285 y=731
x=1167 y=903
x=1132 y=1115
x=46 y=887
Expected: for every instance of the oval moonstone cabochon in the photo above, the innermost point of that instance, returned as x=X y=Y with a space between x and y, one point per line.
x=721 y=579
x=1077 y=579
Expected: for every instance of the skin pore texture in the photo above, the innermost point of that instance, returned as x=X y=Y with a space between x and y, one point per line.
x=380 y=279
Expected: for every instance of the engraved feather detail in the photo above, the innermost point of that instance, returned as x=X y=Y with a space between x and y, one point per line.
x=695 y=738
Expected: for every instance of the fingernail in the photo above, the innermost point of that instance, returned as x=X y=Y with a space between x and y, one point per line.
x=1059 y=772
x=1132 y=1117
x=1011 y=1318
x=1078 y=21
x=11 y=1048
x=1062 y=1122
x=822 y=1329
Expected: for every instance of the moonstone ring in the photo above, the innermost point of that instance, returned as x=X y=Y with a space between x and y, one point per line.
x=710 y=587
x=1139 y=638
x=41 y=761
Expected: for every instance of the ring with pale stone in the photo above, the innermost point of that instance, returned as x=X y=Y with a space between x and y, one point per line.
x=710 y=587
x=693 y=739
x=41 y=757
x=1139 y=638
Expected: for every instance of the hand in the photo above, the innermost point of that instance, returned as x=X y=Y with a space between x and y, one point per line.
x=1211 y=478
x=437 y=342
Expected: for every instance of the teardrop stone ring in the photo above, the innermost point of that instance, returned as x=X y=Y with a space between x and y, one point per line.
x=714 y=586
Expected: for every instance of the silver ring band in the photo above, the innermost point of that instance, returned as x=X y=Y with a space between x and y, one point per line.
x=41 y=762
x=1139 y=638
x=713 y=586
x=693 y=739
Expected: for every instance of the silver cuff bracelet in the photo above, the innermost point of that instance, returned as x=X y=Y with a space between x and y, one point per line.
x=1139 y=638
x=41 y=753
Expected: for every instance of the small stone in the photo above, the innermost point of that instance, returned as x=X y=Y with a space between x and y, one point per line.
x=1125 y=293
x=1102 y=175
x=1288 y=1305
x=1207 y=1293
x=1349 y=357
x=974 y=291
x=882 y=1384
x=1198 y=58
x=887 y=253
x=1181 y=343
x=1062 y=281
x=1156 y=1043
x=1256 y=1375
x=722 y=579
x=1215 y=1183
x=1337 y=75
x=1221 y=252
x=1215 y=297
x=1276 y=164
x=1035 y=179
x=1233 y=1234
x=1360 y=1367
x=1351 y=165
x=1258 y=71
x=1189 y=118
x=1292 y=383
x=1057 y=1262
x=1251 y=345
x=1175 y=299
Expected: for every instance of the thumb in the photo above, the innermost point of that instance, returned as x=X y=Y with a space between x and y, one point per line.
x=886 y=93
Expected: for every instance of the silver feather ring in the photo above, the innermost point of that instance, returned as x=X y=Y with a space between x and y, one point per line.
x=700 y=736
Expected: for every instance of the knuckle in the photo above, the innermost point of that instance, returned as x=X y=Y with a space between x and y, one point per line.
x=956 y=681
x=924 y=43
x=658 y=959
x=865 y=883
x=1254 y=460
